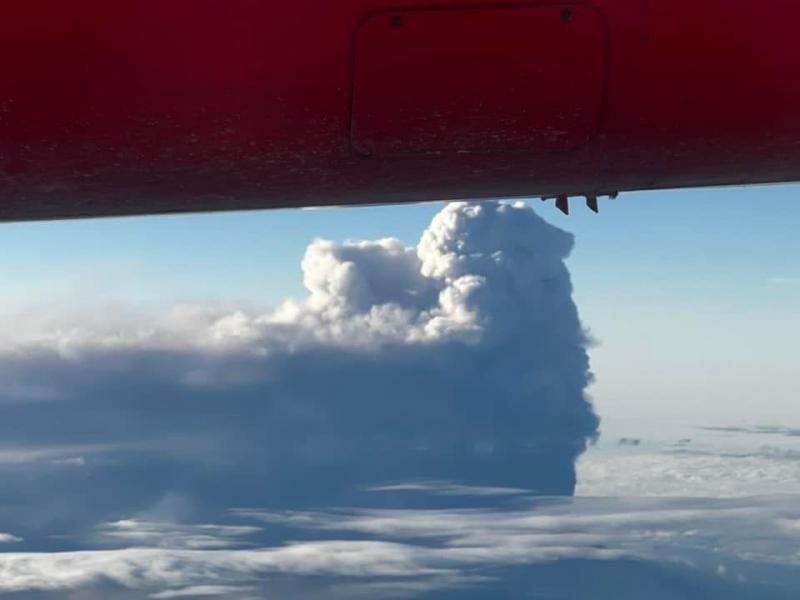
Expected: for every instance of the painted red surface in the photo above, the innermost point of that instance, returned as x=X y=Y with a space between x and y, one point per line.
x=414 y=92
x=137 y=106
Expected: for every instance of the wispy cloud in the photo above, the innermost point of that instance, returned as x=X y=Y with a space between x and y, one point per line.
x=141 y=533
x=199 y=591
x=418 y=550
x=448 y=488
x=757 y=429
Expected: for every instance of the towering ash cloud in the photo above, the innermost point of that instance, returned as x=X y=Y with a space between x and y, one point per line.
x=460 y=359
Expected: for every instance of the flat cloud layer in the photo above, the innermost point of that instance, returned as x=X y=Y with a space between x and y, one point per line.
x=705 y=462
x=690 y=473
x=665 y=548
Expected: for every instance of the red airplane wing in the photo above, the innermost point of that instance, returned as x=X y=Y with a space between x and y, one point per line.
x=151 y=106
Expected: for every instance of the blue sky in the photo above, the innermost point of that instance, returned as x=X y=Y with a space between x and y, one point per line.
x=707 y=239
x=714 y=236
x=692 y=295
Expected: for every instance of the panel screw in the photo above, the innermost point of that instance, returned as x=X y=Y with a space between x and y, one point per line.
x=566 y=15
x=397 y=21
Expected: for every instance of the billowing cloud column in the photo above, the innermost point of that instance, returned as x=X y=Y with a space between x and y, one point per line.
x=465 y=356
x=462 y=359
